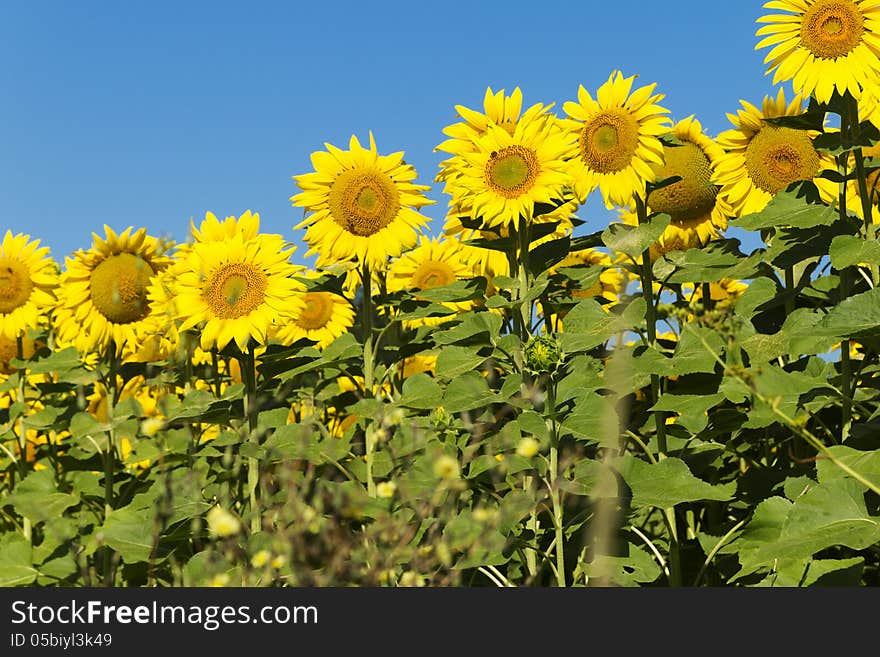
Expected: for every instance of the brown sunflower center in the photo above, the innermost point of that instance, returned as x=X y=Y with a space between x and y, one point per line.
x=363 y=201
x=512 y=170
x=317 y=311
x=608 y=142
x=778 y=157
x=692 y=196
x=15 y=284
x=119 y=288
x=832 y=28
x=235 y=289
x=432 y=273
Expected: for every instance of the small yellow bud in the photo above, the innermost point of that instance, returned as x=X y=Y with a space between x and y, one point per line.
x=261 y=558
x=222 y=523
x=409 y=578
x=385 y=489
x=446 y=467
x=528 y=447
x=220 y=580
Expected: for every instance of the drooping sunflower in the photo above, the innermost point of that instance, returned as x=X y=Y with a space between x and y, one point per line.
x=324 y=317
x=234 y=290
x=618 y=138
x=762 y=159
x=822 y=45
x=360 y=204
x=28 y=278
x=102 y=297
x=434 y=263
x=696 y=211
x=507 y=175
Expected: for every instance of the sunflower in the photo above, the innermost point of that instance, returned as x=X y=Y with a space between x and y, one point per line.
x=434 y=263
x=211 y=229
x=618 y=139
x=236 y=289
x=324 y=317
x=762 y=159
x=28 y=277
x=507 y=175
x=102 y=298
x=359 y=204
x=723 y=294
x=823 y=45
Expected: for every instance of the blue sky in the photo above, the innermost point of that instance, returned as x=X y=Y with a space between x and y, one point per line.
x=150 y=114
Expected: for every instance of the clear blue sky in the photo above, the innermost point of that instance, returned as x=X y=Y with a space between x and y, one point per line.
x=150 y=113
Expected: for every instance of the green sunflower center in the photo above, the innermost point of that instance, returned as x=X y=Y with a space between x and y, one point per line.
x=608 y=142
x=832 y=28
x=15 y=284
x=119 y=288
x=778 y=157
x=235 y=290
x=512 y=170
x=363 y=201
x=317 y=312
x=432 y=273
x=694 y=195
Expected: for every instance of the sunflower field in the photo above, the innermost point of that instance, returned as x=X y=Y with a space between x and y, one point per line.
x=519 y=397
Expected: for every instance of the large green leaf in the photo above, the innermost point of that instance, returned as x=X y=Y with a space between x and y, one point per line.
x=634 y=240
x=829 y=514
x=130 y=533
x=467 y=392
x=786 y=209
x=865 y=463
x=849 y=250
x=856 y=316
x=16 y=567
x=667 y=483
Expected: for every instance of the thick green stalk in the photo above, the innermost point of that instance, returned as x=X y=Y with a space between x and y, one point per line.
x=846 y=284
x=554 y=484
x=110 y=452
x=647 y=279
x=26 y=528
x=249 y=377
x=369 y=365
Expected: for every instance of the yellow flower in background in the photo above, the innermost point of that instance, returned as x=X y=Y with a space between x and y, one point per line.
x=697 y=214
x=222 y=523
x=762 y=159
x=434 y=263
x=236 y=289
x=9 y=351
x=822 y=45
x=723 y=294
x=618 y=138
x=507 y=175
x=324 y=317
x=102 y=297
x=211 y=229
x=359 y=204
x=28 y=278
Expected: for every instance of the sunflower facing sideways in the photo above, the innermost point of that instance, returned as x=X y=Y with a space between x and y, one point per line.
x=102 y=298
x=822 y=45
x=762 y=159
x=359 y=204
x=434 y=263
x=235 y=289
x=618 y=138
x=697 y=214
x=324 y=317
x=28 y=277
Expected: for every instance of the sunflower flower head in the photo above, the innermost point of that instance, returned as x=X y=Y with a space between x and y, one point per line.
x=822 y=46
x=360 y=204
x=324 y=316
x=28 y=278
x=236 y=289
x=618 y=138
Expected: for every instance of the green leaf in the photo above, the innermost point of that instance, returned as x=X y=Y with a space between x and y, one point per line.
x=587 y=325
x=786 y=209
x=791 y=246
x=462 y=290
x=420 y=391
x=130 y=533
x=634 y=567
x=667 y=483
x=718 y=259
x=547 y=254
x=849 y=250
x=453 y=361
x=467 y=392
x=692 y=355
x=693 y=409
x=16 y=567
x=829 y=514
x=866 y=464
x=473 y=327
x=635 y=240
x=593 y=418
x=856 y=316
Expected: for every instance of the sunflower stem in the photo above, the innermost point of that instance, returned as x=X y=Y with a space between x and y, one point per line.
x=647 y=280
x=846 y=283
x=249 y=377
x=369 y=365
x=26 y=528
x=110 y=452
x=862 y=180
x=554 y=483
